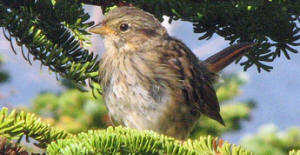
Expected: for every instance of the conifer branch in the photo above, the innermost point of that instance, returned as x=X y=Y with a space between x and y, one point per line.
x=112 y=140
x=15 y=125
x=121 y=140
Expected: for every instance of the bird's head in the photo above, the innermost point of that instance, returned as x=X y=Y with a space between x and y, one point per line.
x=126 y=26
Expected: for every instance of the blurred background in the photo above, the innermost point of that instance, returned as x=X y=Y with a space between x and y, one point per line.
x=261 y=110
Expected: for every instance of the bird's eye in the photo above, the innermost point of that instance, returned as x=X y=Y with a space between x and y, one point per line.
x=124 y=27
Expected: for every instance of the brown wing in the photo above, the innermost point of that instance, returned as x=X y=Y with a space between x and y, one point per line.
x=197 y=80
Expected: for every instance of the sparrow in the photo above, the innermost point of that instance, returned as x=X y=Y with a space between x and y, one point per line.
x=152 y=81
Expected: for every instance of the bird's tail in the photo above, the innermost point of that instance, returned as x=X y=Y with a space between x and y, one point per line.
x=220 y=60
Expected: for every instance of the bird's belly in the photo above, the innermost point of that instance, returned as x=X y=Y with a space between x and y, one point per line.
x=134 y=107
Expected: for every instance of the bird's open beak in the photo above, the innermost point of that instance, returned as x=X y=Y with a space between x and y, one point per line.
x=100 y=29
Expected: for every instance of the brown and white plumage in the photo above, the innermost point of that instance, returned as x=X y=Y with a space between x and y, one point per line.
x=151 y=80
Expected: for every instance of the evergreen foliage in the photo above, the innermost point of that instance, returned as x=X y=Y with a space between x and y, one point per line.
x=268 y=140
x=117 y=140
x=52 y=34
x=130 y=141
x=15 y=125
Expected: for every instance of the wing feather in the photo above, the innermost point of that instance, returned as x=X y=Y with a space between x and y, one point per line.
x=196 y=79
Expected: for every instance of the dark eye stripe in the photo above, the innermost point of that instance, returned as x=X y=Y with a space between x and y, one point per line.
x=148 y=32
